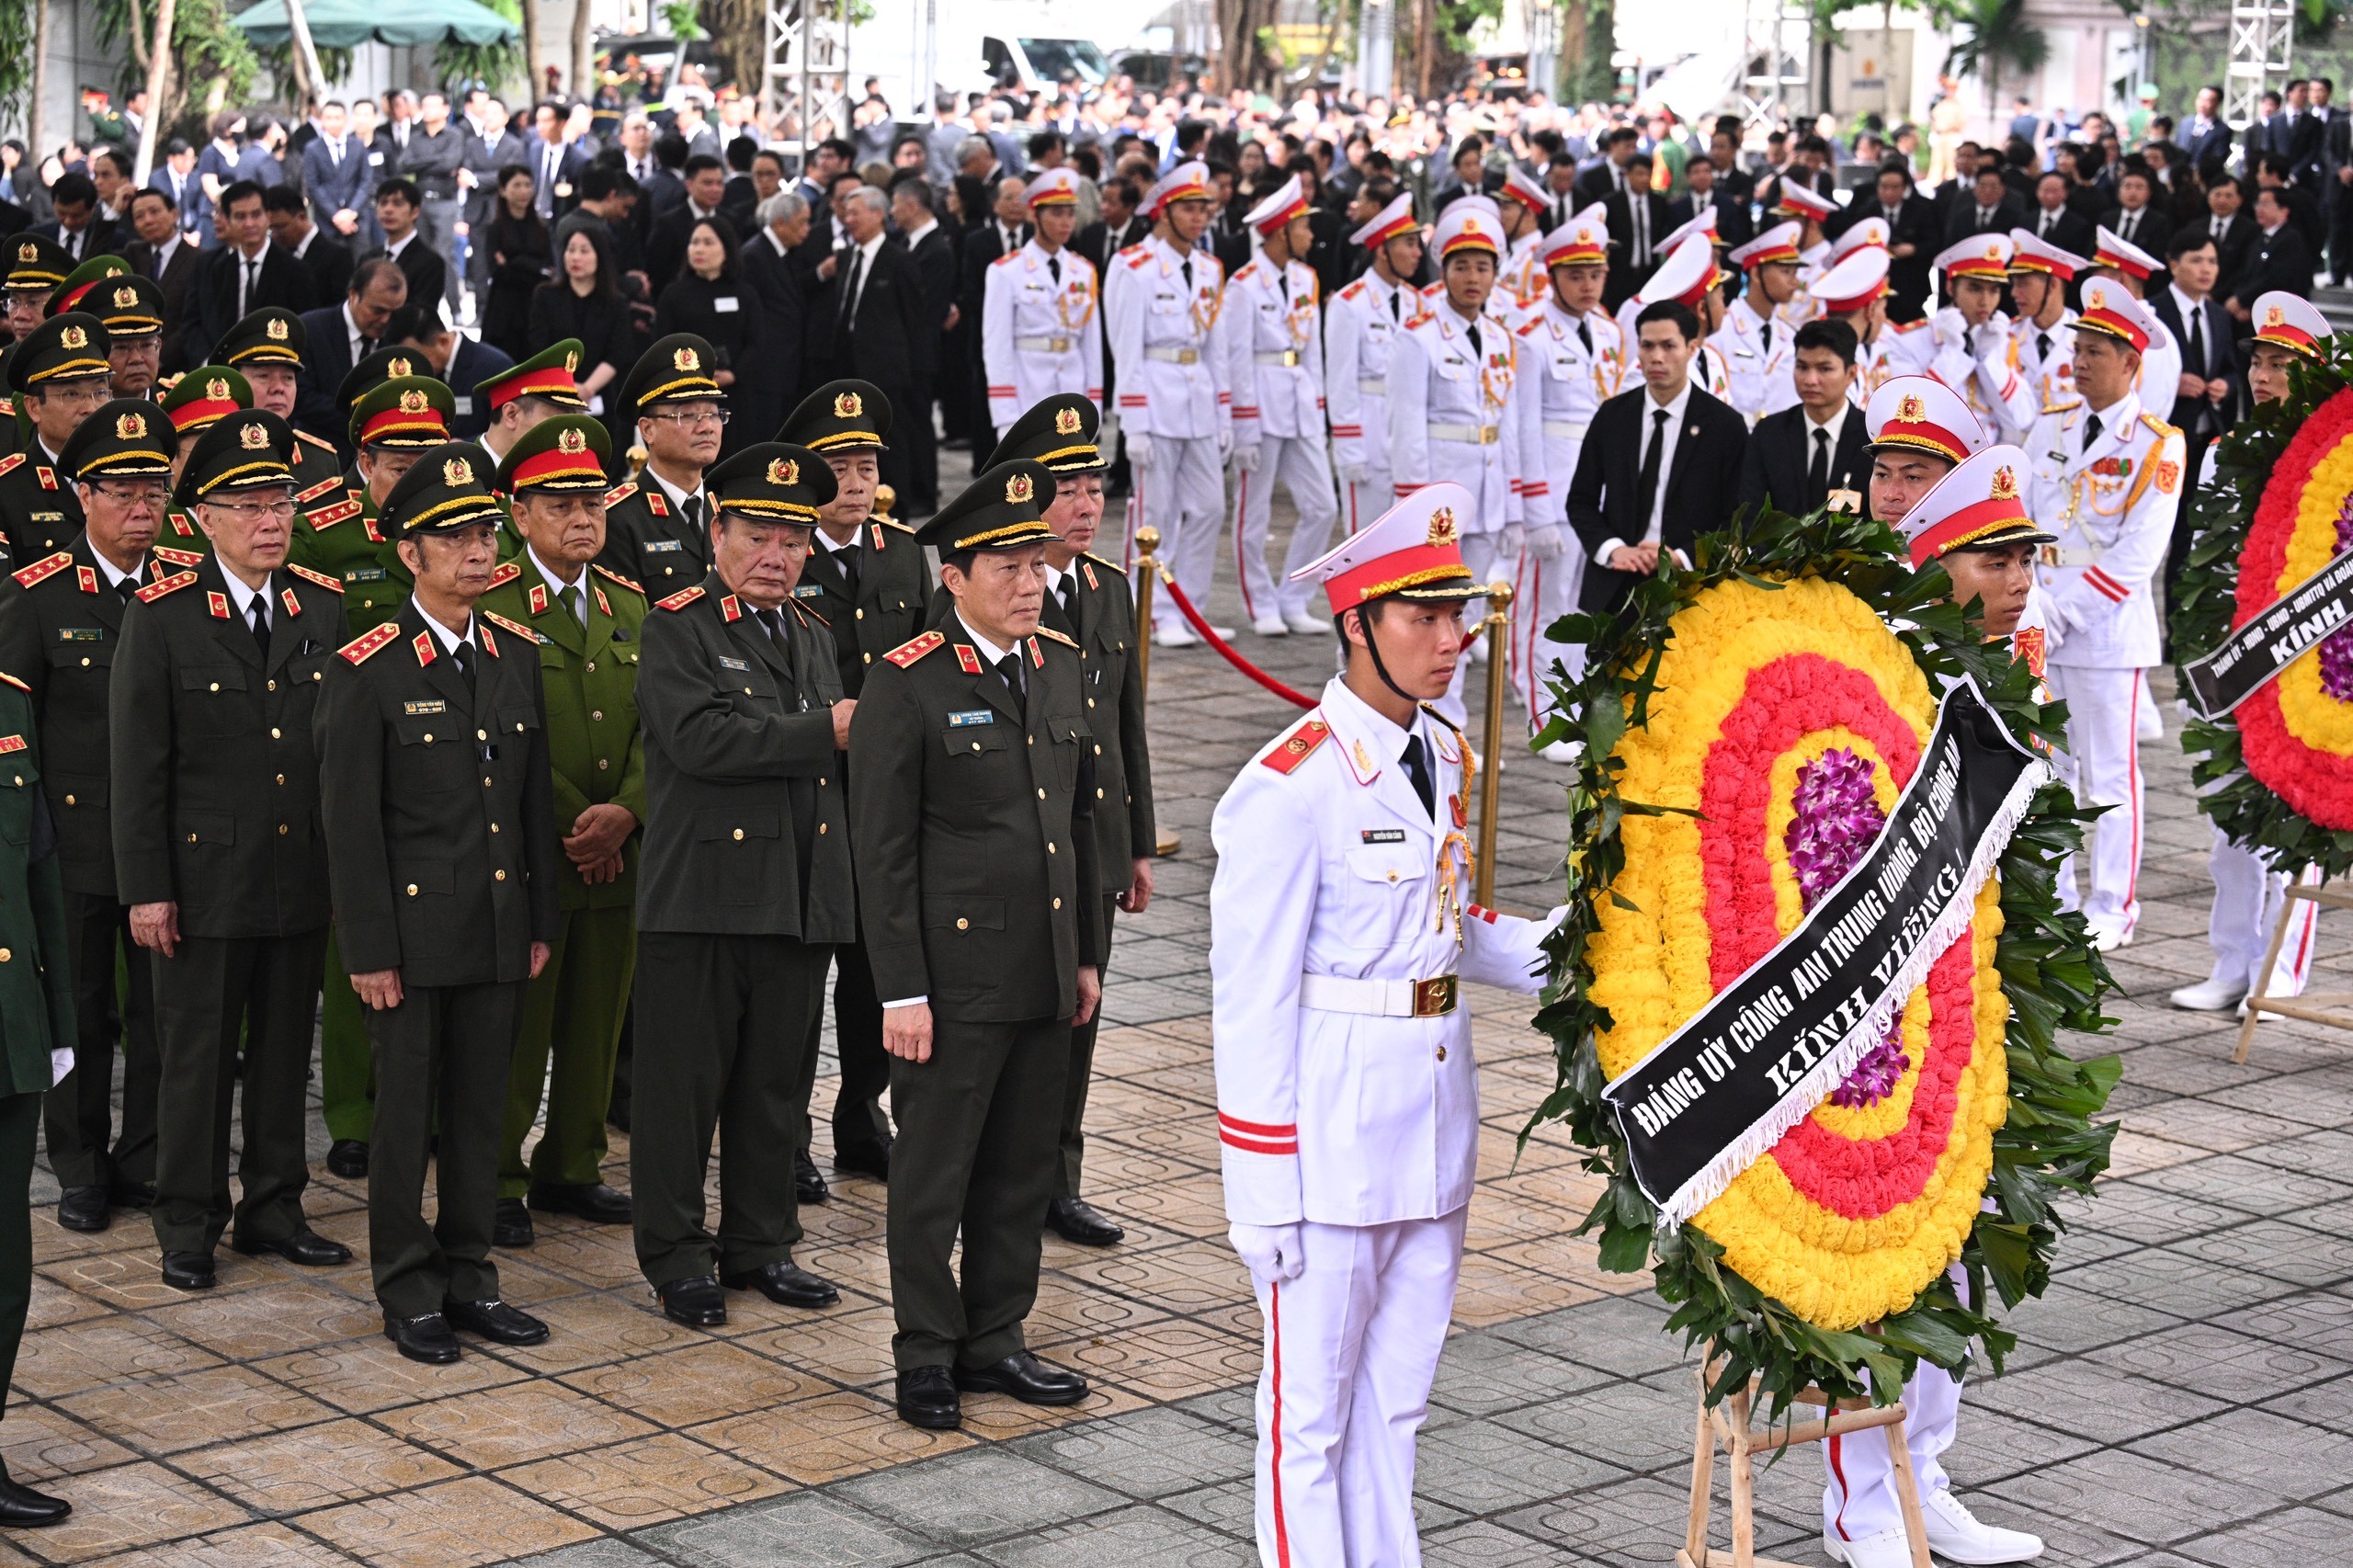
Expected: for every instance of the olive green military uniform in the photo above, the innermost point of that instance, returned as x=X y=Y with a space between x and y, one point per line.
x=340 y=537
x=441 y=843
x=215 y=799
x=572 y=1016
x=972 y=827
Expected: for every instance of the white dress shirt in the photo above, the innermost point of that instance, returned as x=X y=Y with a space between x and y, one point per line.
x=241 y=597
x=1670 y=433
x=441 y=634
x=574 y=593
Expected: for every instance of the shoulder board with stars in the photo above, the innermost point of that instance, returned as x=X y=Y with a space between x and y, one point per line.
x=1353 y=290
x=10 y=463
x=48 y=566
x=325 y=486
x=319 y=441
x=619 y=493
x=612 y=576
x=359 y=649
x=907 y=652
x=517 y=627
x=9 y=407
x=1295 y=748
x=1139 y=252
x=331 y=585
x=894 y=523
x=170 y=584
x=1111 y=566
x=2160 y=426
x=179 y=556
x=12 y=680
x=2062 y=407
x=1049 y=631
x=1421 y=317
x=1908 y=327
x=327 y=516
x=680 y=599
x=506 y=575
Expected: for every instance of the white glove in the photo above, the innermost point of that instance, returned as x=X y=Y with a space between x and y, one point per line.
x=1246 y=458
x=1950 y=328
x=1273 y=1254
x=1139 y=449
x=1352 y=473
x=1513 y=537
x=1225 y=441
x=1544 y=542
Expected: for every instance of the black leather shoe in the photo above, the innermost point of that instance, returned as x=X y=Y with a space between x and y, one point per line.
x=497 y=1321
x=26 y=1509
x=347 y=1157
x=84 y=1209
x=188 y=1270
x=425 y=1337
x=511 y=1225
x=869 y=1158
x=927 y=1398
x=1075 y=1220
x=1026 y=1378
x=594 y=1203
x=133 y=1195
x=697 y=1302
x=808 y=1181
x=305 y=1246
x=785 y=1285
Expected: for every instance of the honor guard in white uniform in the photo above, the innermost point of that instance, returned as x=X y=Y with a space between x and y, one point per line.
x=1348 y=1098
x=2130 y=267
x=1967 y=344
x=1360 y=329
x=1522 y=285
x=1854 y=290
x=1866 y=234
x=2107 y=479
x=1160 y=307
x=1811 y=209
x=2247 y=892
x=1270 y=340
x=1040 y=331
x=1573 y=359
x=2040 y=273
x=1975 y=520
x=1690 y=277
x=1919 y=430
x=1754 y=340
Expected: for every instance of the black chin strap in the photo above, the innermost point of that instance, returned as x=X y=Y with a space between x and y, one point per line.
x=1372 y=646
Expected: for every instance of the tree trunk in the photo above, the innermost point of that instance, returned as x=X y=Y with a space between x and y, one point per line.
x=584 y=62
x=137 y=32
x=1425 y=47
x=1576 y=35
x=34 y=143
x=531 y=78
x=159 y=81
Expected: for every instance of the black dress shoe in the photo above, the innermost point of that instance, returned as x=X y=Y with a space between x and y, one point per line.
x=928 y=1398
x=697 y=1302
x=1074 y=1220
x=347 y=1157
x=869 y=1158
x=785 y=1285
x=305 y=1246
x=497 y=1321
x=133 y=1195
x=84 y=1209
x=592 y=1201
x=1026 y=1378
x=808 y=1181
x=510 y=1226
x=425 y=1337
x=26 y=1509
x=188 y=1270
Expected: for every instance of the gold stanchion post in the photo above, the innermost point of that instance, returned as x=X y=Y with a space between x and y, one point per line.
x=1147 y=574
x=1497 y=628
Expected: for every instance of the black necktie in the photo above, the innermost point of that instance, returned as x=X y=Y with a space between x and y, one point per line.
x=2218 y=226
x=842 y=326
x=2091 y=431
x=2049 y=218
x=1646 y=486
x=1070 y=598
x=1817 y=475
x=1185 y=266
x=1054 y=265
x=1008 y=670
x=1471 y=330
x=464 y=655
x=1769 y=337
x=845 y=560
x=261 y=626
x=772 y=622
x=578 y=595
x=1418 y=768
x=2042 y=347
x=126 y=589
x=2195 y=360
x=1584 y=335
x=246 y=293
x=690 y=509
x=1396 y=296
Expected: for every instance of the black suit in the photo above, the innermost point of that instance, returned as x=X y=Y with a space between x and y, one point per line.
x=1098 y=245
x=978 y=251
x=329 y=262
x=1699 y=486
x=2212 y=143
x=1915 y=224
x=2233 y=246
x=553 y=198
x=2214 y=356
x=426 y=273
x=1964 y=223
x=326 y=360
x=2278 y=260
x=178 y=279
x=890 y=336
x=1626 y=273
x=1779 y=457
x=281 y=280
x=2151 y=233
x=2337 y=197
x=1599 y=183
x=2070 y=230
x=2307 y=135
x=934 y=263
x=768 y=387
x=100 y=236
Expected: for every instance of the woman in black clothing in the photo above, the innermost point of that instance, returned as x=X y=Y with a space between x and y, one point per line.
x=519 y=260
x=712 y=299
x=584 y=302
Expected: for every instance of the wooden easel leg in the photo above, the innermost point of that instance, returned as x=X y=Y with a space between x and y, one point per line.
x=1744 y=1512
x=2263 y=976
x=1907 y=1493
x=1703 y=1476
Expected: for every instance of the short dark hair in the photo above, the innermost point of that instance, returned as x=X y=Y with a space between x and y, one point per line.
x=840 y=148
x=237 y=190
x=1686 y=320
x=1043 y=142
x=699 y=162
x=741 y=151
x=773 y=156
x=2188 y=238
x=283 y=199
x=915 y=188
x=1898 y=167
x=115 y=158
x=1835 y=336
x=415 y=323
x=163 y=195
x=597 y=182
x=669 y=150
x=80 y=190
x=364 y=275
x=403 y=188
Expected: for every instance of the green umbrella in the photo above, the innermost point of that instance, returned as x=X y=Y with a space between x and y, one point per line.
x=346 y=24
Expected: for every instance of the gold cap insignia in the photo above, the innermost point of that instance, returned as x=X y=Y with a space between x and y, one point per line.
x=217 y=390
x=1019 y=489
x=74 y=338
x=2006 y=485
x=456 y=470
x=1442 y=526
x=1993 y=252
x=1470 y=226
x=1585 y=235
x=1912 y=408
x=254 y=437
x=274 y=328
x=400 y=367
x=784 y=471
x=414 y=401
x=1066 y=422
x=125 y=298
x=571 y=361
x=686 y=360
x=129 y=428
x=572 y=441
x=848 y=405
x=2275 y=316
x=29 y=253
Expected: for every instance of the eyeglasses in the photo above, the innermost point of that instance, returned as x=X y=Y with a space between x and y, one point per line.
x=696 y=416
x=133 y=495
x=259 y=511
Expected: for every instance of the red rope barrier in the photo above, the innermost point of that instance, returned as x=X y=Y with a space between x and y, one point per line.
x=1203 y=630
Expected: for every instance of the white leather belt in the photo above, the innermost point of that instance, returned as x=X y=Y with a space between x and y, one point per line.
x=2052 y=555
x=1173 y=356
x=1045 y=344
x=1376 y=385
x=1287 y=357
x=1379 y=998
x=1567 y=430
x=1472 y=435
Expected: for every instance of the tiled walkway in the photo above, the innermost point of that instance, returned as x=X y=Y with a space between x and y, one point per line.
x=2182 y=1396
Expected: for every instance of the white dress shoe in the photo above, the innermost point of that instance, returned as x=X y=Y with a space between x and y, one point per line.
x=1270 y=626
x=1957 y=1534
x=1174 y=637
x=2107 y=933
x=1225 y=633
x=2149 y=724
x=1886 y=1549
x=1308 y=625
x=1565 y=752
x=2209 y=996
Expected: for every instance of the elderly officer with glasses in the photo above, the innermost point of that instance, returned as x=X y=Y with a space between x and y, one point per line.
x=657 y=530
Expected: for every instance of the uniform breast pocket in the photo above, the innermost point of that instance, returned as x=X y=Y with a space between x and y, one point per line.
x=516 y=721
x=93 y=650
x=437 y=750
x=1071 y=738
x=1383 y=893
x=979 y=741
x=424 y=892
x=737 y=851
x=205 y=836
x=17 y=781
x=211 y=698
x=1167 y=303
x=1452 y=369
x=1561 y=368
x=308 y=669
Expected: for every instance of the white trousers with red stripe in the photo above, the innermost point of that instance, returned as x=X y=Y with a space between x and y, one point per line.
x=1859 y=1499
x=2102 y=764
x=1299 y=462
x=2247 y=896
x=1182 y=493
x=1543 y=592
x=1361 y=506
x=1351 y=1348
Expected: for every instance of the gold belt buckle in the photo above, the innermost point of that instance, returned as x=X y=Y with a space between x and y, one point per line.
x=1188 y=357
x=2050 y=554
x=1490 y=434
x=1434 y=998
x=1058 y=345
x=1290 y=357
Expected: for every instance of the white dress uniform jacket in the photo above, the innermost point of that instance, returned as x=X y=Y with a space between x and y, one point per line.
x=1160 y=324
x=1567 y=383
x=1041 y=334
x=1982 y=365
x=1449 y=414
x=2112 y=506
x=1760 y=354
x=1360 y=329
x=2050 y=376
x=1524 y=282
x=1270 y=341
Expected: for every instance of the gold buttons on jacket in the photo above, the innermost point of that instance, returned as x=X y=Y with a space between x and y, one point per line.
x=85 y=664
x=1041 y=794
x=273 y=686
x=976 y=746
x=481 y=734
x=1441 y=1054
x=867 y=657
x=216 y=686
x=281 y=779
x=281 y=830
x=602 y=765
x=739 y=833
x=411 y=889
x=498 y=875
x=273 y=734
x=428 y=737
x=821 y=828
x=6 y=955
x=592 y=667
x=962 y=922
x=1050 y=846
x=69 y=800
x=1393 y=876
x=1058 y=904
x=597 y=713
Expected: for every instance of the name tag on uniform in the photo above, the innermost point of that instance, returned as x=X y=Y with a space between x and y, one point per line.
x=655 y=546
x=81 y=635
x=808 y=591
x=1383 y=835
x=972 y=716
x=727 y=663
x=364 y=575
x=424 y=709
x=463 y=404
x=725 y=304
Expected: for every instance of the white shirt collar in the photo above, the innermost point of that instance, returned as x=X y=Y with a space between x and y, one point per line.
x=826 y=542
x=914 y=236
x=988 y=649
x=1675 y=410
x=866 y=252
x=672 y=490
x=240 y=594
x=113 y=577
x=554 y=578
x=441 y=634
x=2184 y=303
x=393 y=248
x=1836 y=426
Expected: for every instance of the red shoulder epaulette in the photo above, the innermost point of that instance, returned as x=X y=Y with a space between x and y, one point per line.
x=331 y=585
x=1527 y=326
x=48 y=566
x=12 y=680
x=680 y=599
x=170 y=584
x=637 y=588
x=1310 y=733
x=320 y=488
x=1009 y=256
x=1418 y=317
x=516 y=627
x=506 y=575
x=619 y=493
x=179 y=556
x=1049 y=632
x=1353 y=290
x=915 y=648
x=1142 y=256
x=357 y=649
x=327 y=516
x=10 y=463
x=319 y=441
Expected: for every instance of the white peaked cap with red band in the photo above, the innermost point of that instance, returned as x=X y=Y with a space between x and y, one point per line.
x=1704 y=224
x=1778 y=242
x=1869 y=231
x=2114 y=250
x=2280 y=317
x=1853 y=283
x=1053 y=187
x=1685 y=276
x=2109 y=307
x=1467 y=225
x=1522 y=187
x=2035 y=253
x=1582 y=241
x=1392 y=221
x=1921 y=413
x=1800 y=201
x=1981 y=502
x=1186 y=182
x=1413 y=551
x=1980 y=256
x=1288 y=202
